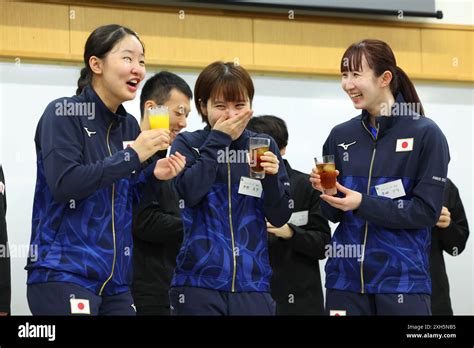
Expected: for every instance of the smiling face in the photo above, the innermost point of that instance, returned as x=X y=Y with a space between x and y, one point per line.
x=219 y=107
x=366 y=90
x=179 y=108
x=116 y=77
x=362 y=86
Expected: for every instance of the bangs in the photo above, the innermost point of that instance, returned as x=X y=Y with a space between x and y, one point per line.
x=352 y=58
x=229 y=89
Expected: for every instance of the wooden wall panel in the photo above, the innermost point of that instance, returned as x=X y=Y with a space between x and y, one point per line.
x=34 y=30
x=312 y=46
x=448 y=53
x=195 y=40
x=321 y=45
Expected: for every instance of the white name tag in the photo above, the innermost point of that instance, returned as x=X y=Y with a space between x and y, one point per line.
x=127 y=143
x=393 y=189
x=250 y=187
x=299 y=218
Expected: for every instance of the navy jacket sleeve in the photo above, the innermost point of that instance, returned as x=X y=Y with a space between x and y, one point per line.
x=5 y=272
x=276 y=193
x=423 y=208
x=145 y=180
x=454 y=237
x=197 y=178
x=333 y=214
x=60 y=140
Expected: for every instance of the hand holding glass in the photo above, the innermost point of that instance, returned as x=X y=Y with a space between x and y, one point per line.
x=257 y=147
x=327 y=171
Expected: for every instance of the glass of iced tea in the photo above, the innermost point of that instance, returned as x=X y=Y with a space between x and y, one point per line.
x=257 y=147
x=327 y=171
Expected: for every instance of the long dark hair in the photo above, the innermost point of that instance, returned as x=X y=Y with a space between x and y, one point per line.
x=380 y=58
x=99 y=43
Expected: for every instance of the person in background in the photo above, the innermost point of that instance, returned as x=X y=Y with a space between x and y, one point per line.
x=450 y=235
x=296 y=247
x=5 y=276
x=157 y=225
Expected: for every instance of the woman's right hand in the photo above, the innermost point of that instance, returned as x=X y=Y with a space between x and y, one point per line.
x=233 y=126
x=151 y=141
x=315 y=179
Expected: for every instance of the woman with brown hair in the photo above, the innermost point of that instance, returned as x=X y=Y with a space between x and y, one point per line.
x=392 y=164
x=223 y=266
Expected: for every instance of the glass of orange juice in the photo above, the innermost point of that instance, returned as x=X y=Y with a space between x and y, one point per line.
x=159 y=117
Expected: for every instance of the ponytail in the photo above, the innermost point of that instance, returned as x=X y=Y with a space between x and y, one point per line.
x=84 y=80
x=404 y=85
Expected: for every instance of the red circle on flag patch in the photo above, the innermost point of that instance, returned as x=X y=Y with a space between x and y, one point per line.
x=336 y=315
x=80 y=306
x=405 y=144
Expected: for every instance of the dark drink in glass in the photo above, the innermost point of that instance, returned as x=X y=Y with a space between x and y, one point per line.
x=326 y=168
x=257 y=147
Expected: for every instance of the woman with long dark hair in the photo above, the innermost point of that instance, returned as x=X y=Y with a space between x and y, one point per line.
x=92 y=161
x=392 y=164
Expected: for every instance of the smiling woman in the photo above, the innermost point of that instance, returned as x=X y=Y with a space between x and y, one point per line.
x=390 y=184
x=114 y=64
x=88 y=183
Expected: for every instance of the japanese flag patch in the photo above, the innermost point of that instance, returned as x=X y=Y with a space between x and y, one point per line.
x=337 y=313
x=79 y=306
x=404 y=145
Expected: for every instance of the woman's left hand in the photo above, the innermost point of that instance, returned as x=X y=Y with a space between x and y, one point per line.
x=351 y=201
x=168 y=168
x=270 y=162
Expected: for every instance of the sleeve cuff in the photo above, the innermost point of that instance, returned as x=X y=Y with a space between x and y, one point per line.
x=135 y=160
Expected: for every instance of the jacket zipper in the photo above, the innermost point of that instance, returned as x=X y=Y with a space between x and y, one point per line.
x=231 y=228
x=362 y=285
x=113 y=218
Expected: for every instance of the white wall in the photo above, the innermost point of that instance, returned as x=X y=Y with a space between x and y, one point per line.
x=311 y=107
x=455 y=12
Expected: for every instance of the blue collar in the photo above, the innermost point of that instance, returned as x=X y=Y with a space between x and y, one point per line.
x=384 y=123
x=102 y=112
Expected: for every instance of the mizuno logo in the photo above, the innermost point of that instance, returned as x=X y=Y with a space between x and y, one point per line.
x=89 y=133
x=346 y=146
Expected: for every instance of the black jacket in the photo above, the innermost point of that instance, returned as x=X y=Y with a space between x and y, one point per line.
x=296 y=282
x=157 y=232
x=452 y=240
x=5 y=286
